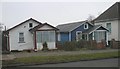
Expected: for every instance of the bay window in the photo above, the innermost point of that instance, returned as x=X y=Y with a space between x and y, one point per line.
x=45 y=36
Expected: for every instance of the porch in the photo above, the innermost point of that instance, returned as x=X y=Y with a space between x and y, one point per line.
x=97 y=33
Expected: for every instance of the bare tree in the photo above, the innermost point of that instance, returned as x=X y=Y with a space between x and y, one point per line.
x=1 y=26
x=90 y=18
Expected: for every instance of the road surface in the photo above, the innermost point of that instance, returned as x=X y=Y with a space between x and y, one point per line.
x=93 y=63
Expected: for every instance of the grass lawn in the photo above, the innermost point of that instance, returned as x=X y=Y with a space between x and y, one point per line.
x=62 y=58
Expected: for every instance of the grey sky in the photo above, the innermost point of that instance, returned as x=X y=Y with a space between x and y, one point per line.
x=53 y=13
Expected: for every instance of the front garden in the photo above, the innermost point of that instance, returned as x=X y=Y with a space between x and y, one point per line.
x=66 y=52
x=60 y=58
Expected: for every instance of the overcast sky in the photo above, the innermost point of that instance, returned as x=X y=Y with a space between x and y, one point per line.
x=53 y=13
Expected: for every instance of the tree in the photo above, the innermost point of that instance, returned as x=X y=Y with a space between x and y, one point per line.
x=90 y=18
x=45 y=46
x=1 y=27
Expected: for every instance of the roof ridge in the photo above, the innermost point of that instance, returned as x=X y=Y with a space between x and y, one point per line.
x=108 y=10
x=23 y=23
x=72 y=23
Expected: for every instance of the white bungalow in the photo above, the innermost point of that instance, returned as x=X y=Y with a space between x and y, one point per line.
x=31 y=34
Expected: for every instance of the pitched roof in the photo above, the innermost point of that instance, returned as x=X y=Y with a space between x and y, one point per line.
x=41 y=25
x=95 y=27
x=111 y=13
x=24 y=22
x=70 y=26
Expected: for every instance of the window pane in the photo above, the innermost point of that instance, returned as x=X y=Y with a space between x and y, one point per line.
x=109 y=27
x=52 y=36
x=30 y=25
x=45 y=36
x=99 y=35
x=38 y=35
x=21 y=37
x=85 y=26
x=78 y=35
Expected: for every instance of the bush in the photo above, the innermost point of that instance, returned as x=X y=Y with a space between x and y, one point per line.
x=91 y=44
x=69 y=46
x=82 y=44
x=74 y=45
x=114 y=44
x=59 y=45
x=45 y=47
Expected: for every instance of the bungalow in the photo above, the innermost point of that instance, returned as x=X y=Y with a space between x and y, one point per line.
x=30 y=34
x=81 y=30
x=111 y=19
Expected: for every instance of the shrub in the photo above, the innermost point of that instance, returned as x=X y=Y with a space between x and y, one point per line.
x=80 y=44
x=69 y=46
x=45 y=47
x=92 y=44
x=114 y=44
x=74 y=45
x=101 y=45
x=59 y=45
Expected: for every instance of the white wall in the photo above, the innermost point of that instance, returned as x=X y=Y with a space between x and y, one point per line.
x=28 y=38
x=114 y=29
x=45 y=27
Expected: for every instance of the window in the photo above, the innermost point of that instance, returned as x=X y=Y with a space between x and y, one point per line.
x=59 y=37
x=78 y=35
x=30 y=25
x=21 y=37
x=84 y=36
x=99 y=35
x=45 y=36
x=109 y=27
x=85 y=26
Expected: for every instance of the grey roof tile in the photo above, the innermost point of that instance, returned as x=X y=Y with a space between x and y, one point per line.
x=91 y=29
x=69 y=27
x=111 y=13
x=95 y=27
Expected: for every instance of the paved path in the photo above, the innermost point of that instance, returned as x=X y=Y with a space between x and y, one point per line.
x=94 y=63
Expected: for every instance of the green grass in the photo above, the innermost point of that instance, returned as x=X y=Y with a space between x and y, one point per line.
x=65 y=58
